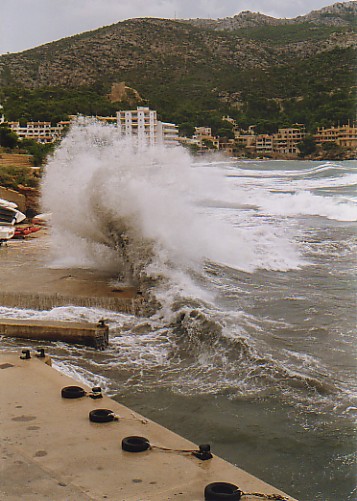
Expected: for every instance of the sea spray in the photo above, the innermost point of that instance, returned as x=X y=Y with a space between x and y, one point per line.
x=264 y=363
x=140 y=212
x=195 y=235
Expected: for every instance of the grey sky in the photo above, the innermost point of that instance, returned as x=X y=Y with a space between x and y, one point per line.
x=29 y=23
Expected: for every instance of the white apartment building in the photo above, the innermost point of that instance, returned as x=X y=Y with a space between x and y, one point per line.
x=169 y=133
x=42 y=132
x=143 y=124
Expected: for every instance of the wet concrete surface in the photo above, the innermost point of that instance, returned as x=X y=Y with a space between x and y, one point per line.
x=27 y=280
x=51 y=450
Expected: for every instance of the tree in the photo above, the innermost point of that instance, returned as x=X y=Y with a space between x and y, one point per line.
x=307 y=146
x=8 y=139
x=38 y=151
x=208 y=144
x=332 y=150
x=187 y=129
x=226 y=132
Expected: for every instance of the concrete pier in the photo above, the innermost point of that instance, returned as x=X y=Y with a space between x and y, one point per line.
x=27 y=281
x=50 y=449
x=89 y=334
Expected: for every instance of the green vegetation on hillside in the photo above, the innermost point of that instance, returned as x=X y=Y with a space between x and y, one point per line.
x=53 y=104
x=269 y=76
x=289 y=33
x=11 y=143
x=12 y=176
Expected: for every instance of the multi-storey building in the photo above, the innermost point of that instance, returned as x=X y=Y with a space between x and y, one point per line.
x=168 y=132
x=264 y=144
x=203 y=137
x=143 y=124
x=286 y=141
x=42 y=132
x=343 y=135
x=245 y=138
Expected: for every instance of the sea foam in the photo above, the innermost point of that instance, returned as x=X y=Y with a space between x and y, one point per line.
x=140 y=211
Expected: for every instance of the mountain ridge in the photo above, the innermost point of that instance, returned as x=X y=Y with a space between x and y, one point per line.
x=338 y=14
x=281 y=73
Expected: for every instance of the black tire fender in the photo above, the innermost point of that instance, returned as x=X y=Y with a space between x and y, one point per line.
x=101 y=416
x=219 y=491
x=73 y=392
x=135 y=444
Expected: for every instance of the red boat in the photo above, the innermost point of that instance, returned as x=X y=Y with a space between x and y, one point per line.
x=24 y=232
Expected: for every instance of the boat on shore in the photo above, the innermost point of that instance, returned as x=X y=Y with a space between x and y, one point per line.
x=9 y=217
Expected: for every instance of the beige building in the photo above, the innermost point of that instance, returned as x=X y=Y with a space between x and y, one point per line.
x=344 y=135
x=264 y=144
x=245 y=139
x=203 y=137
x=286 y=140
x=107 y=120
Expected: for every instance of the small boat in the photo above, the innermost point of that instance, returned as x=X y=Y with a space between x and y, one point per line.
x=9 y=217
x=42 y=219
x=6 y=232
x=9 y=214
x=24 y=232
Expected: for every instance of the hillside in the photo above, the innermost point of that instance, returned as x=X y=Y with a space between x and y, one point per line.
x=337 y=15
x=257 y=69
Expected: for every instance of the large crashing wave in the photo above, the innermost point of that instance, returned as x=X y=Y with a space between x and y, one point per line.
x=152 y=217
x=138 y=211
x=114 y=204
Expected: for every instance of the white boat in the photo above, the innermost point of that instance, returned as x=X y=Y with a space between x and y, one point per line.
x=9 y=216
x=6 y=232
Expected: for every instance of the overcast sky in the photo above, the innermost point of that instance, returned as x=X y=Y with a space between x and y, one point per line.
x=28 y=23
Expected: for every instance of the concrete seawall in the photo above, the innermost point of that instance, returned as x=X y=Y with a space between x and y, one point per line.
x=89 y=334
x=47 y=301
x=50 y=449
x=28 y=281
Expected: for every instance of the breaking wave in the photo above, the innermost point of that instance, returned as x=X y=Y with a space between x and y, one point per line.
x=139 y=211
x=212 y=249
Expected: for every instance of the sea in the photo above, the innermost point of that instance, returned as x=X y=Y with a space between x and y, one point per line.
x=249 y=271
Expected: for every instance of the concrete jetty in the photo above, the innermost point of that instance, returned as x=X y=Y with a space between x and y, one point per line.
x=28 y=281
x=89 y=334
x=51 y=450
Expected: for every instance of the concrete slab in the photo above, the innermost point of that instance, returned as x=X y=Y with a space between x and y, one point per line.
x=87 y=333
x=52 y=451
x=27 y=281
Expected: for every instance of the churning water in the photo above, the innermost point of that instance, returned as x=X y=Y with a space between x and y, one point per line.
x=249 y=266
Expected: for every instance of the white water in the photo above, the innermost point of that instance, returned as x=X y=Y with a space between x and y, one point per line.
x=250 y=261
x=97 y=183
